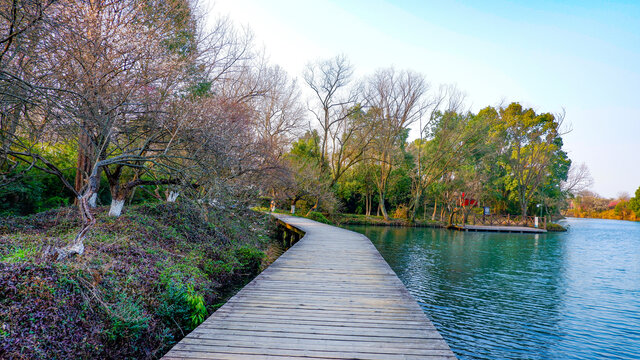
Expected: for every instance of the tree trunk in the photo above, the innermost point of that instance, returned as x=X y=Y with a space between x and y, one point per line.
x=77 y=246
x=116 y=206
x=450 y=223
x=315 y=207
x=416 y=203
x=84 y=166
x=172 y=196
x=382 y=207
x=119 y=194
x=93 y=200
x=9 y=126
x=435 y=208
x=272 y=203
x=366 y=204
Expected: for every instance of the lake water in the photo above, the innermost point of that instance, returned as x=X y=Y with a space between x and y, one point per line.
x=573 y=295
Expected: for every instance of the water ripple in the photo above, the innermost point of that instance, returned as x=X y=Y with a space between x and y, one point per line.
x=573 y=295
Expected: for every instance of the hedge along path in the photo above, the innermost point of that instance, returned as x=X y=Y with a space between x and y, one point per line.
x=330 y=296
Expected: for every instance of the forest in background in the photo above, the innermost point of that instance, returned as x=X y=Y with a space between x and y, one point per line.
x=587 y=204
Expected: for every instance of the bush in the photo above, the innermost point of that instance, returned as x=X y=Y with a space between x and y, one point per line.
x=401 y=212
x=218 y=269
x=128 y=319
x=316 y=216
x=250 y=259
x=553 y=227
x=182 y=305
x=16 y=256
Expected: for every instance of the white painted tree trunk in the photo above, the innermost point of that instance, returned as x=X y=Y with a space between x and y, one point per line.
x=116 y=207
x=293 y=209
x=173 y=195
x=93 y=200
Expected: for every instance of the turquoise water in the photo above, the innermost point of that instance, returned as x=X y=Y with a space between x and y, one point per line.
x=573 y=295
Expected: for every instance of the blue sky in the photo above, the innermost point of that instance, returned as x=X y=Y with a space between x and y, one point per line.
x=580 y=56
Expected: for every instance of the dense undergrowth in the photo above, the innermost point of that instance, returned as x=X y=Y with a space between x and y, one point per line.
x=146 y=279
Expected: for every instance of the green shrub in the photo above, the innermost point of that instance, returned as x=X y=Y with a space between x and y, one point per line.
x=219 y=270
x=250 y=259
x=316 y=216
x=555 y=227
x=128 y=319
x=182 y=305
x=197 y=309
x=18 y=255
x=180 y=273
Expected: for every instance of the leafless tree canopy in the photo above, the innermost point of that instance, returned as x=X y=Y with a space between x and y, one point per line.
x=579 y=179
x=145 y=93
x=333 y=98
x=396 y=99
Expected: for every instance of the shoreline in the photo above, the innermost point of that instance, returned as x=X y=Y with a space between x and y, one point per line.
x=354 y=219
x=597 y=218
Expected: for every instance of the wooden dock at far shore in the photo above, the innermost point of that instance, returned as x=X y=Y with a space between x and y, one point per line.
x=330 y=296
x=504 y=229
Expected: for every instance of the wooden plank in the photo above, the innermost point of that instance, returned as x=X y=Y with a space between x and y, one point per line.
x=205 y=352
x=322 y=344
x=266 y=339
x=211 y=334
x=330 y=296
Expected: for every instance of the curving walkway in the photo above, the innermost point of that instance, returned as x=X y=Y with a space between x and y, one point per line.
x=330 y=296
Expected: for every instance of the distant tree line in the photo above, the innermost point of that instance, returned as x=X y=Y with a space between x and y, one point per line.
x=589 y=204
x=358 y=158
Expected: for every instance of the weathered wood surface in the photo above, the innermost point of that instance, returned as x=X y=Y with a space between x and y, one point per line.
x=330 y=296
x=509 y=229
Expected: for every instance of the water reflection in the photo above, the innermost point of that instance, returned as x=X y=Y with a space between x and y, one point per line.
x=517 y=296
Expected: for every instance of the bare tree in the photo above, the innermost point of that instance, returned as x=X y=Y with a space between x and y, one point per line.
x=395 y=100
x=350 y=140
x=578 y=179
x=448 y=133
x=329 y=81
x=279 y=113
x=623 y=195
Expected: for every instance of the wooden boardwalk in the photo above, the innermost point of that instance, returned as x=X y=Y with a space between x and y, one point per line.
x=330 y=296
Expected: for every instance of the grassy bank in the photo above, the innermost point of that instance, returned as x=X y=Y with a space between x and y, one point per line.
x=340 y=219
x=356 y=219
x=145 y=280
